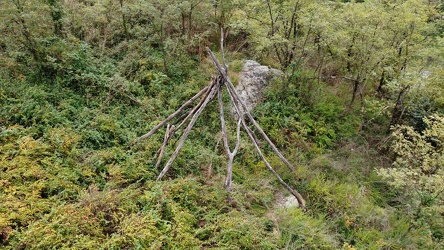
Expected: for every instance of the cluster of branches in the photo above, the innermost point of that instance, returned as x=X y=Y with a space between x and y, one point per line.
x=185 y=113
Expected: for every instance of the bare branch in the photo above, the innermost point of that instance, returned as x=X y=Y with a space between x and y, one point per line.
x=292 y=191
x=222 y=49
x=191 y=112
x=225 y=140
x=178 y=111
x=168 y=135
x=255 y=142
x=236 y=148
x=259 y=129
x=216 y=63
x=187 y=131
x=208 y=94
x=244 y=110
x=222 y=121
x=236 y=99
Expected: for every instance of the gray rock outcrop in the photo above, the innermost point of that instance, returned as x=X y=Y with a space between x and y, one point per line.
x=252 y=81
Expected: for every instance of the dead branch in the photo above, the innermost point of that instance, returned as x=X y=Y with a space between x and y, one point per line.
x=241 y=110
x=178 y=111
x=244 y=110
x=187 y=130
x=168 y=135
x=225 y=140
x=222 y=49
x=193 y=111
x=255 y=142
x=207 y=94
x=283 y=183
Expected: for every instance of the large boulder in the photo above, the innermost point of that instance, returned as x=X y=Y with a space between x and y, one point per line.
x=252 y=81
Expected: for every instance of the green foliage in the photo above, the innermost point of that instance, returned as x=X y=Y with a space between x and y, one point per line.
x=300 y=231
x=417 y=169
x=418 y=158
x=286 y=118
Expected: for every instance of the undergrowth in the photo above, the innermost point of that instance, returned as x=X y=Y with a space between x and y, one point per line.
x=72 y=177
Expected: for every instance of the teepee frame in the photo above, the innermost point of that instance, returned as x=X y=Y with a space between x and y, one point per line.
x=206 y=95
